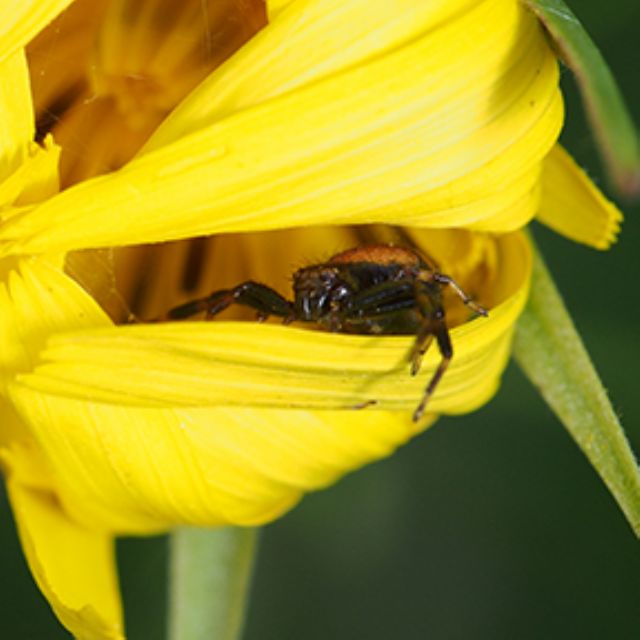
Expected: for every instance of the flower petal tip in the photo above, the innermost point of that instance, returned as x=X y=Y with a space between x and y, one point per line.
x=573 y=205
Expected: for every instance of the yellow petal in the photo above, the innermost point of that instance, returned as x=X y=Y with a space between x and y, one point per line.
x=35 y=179
x=37 y=300
x=274 y=7
x=73 y=566
x=447 y=129
x=16 y=113
x=20 y=20
x=322 y=38
x=149 y=426
x=28 y=171
x=136 y=470
x=573 y=206
x=227 y=363
x=232 y=363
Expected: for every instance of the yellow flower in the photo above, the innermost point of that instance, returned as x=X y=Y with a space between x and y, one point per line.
x=429 y=115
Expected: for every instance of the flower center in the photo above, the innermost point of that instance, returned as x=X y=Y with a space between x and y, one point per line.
x=106 y=72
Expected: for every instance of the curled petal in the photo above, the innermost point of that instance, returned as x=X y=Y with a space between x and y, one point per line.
x=38 y=300
x=208 y=423
x=137 y=470
x=73 y=565
x=323 y=38
x=226 y=363
x=573 y=206
x=444 y=128
x=35 y=179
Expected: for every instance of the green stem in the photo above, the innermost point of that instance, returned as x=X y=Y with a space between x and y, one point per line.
x=552 y=355
x=613 y=127
x=210 y=572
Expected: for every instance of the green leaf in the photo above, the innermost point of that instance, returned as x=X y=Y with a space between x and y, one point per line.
x=614 y=129
x=209 y=582
x=552 y=355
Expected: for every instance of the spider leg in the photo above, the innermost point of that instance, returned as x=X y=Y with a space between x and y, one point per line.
x=370 y=309
x=420 y=346
x=252 y=294
x=383 y=298
x=444 y=344
x=433 y=325
x=432 y=314
x=442 y=279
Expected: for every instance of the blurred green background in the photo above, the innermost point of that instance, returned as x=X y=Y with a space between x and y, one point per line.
x=491 y=525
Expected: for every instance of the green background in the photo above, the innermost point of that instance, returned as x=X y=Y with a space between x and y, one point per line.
x=491 y=525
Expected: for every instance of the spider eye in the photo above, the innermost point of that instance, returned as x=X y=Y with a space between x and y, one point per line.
x=339 y=293
x=306 y=306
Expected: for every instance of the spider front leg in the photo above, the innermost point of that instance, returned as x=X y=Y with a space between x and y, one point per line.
x=442 y=279
x=421 y=345
x=433 y=325
x=252 y=294
x=446 y=351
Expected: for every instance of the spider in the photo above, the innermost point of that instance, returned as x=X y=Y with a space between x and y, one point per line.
x=371 y=289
